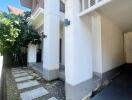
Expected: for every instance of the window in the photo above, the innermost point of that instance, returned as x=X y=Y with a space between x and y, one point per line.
x=85 y=4
x=92 y=2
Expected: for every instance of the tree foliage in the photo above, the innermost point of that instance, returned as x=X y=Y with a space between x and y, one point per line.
x=16 y=33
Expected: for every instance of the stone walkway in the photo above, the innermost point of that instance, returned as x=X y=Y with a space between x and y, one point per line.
x=29 y=87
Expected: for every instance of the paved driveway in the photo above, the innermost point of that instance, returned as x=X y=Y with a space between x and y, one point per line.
x=119 y=89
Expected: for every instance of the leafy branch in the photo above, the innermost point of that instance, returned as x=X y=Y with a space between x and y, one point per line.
x=15 y=33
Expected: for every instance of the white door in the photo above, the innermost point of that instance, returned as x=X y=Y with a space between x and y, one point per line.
x=128 y=47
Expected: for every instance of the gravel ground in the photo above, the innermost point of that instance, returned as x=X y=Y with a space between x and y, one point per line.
x=12 y=92
x=56 y=88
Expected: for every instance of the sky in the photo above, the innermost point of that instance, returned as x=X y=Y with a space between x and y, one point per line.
x=15 y=3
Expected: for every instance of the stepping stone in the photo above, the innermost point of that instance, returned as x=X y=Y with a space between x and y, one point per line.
x=13 y=71
x=27 y=84
x=33 y=94
x=21 y=74
x=53 y=98
x=25 y=67
x=14 y=68
x=23 y=78
x=18 y=72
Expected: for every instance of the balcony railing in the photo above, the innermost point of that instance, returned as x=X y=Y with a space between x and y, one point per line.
x=38 y=5
x=41 y=5
x=88 y=6
x=85 y=4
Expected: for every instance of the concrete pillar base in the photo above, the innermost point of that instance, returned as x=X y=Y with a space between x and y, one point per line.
x=82 y=90
x=50 y=75
x=30 y=64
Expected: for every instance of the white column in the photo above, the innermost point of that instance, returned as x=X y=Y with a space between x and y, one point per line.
x=96 y=44
x=51 y=42
x=78 y=53
x=1 y=64
x=32 y=54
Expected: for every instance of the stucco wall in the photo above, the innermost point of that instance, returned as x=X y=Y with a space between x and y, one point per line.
x=112 y=45
x=128 y=46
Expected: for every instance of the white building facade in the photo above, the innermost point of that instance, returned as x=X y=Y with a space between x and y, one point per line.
x=92 y=46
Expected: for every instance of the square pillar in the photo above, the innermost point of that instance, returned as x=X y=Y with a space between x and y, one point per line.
x=51 y=41
x=32 y=54
x=1 y=64
x=96 y=44
x=78 y=53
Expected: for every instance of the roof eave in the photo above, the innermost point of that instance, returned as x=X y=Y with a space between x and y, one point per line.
x=26 y=3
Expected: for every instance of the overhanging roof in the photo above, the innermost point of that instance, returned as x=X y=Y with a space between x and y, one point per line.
x=15 y=10
x=26 y=3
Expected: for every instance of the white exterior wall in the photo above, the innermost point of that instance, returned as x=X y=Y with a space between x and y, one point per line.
x=112 y=45
x=32 y=53
x=128 y=46
x=78 y=53
x=107 y=44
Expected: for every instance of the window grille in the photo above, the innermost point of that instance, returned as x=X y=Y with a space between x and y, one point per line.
x=92 y=3
x=85 y=4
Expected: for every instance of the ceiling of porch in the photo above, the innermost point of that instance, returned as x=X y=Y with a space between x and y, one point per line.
x=120 y=12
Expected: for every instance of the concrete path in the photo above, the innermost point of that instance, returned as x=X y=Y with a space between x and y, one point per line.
x=24 y=80
x=119 y=89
